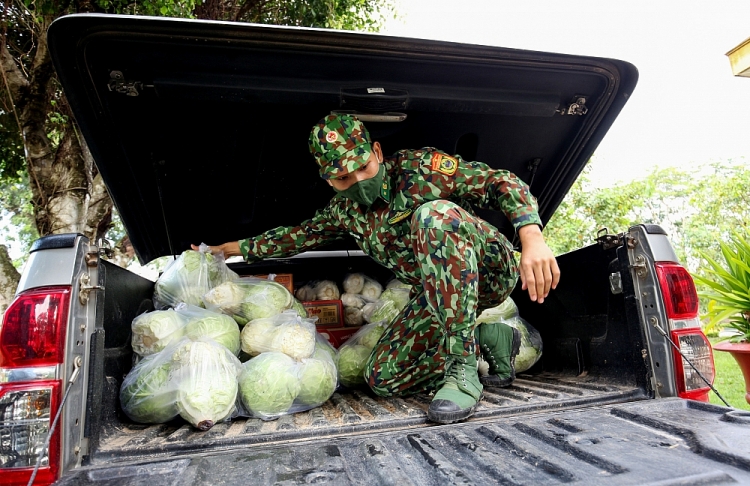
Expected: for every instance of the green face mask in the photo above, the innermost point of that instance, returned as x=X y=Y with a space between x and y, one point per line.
x=366 y=191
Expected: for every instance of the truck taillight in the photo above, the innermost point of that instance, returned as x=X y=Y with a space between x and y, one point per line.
x=681 y=302
x=32 y=344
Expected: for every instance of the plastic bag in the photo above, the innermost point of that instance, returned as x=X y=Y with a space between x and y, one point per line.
x=286 y=333
x=249 y=298
x=354 y=353
x=531 y=339
x=190 y=276
x=353 y=283
x=205 y=323
x=155 y=330
x=195 y=379
x=273 y=384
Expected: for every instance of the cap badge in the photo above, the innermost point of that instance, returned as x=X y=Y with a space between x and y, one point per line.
x=331 y=137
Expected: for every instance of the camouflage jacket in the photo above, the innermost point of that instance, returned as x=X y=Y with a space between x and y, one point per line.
x=413 y=177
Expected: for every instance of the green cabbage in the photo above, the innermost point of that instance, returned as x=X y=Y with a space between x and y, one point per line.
x=225 y=297
x=295 y=340
x=351 y=364
x=531 y=344
x=269 y=384
x=317 y=381
x=147 y=394
x=186 y=279
x=371 y=333
x=399 y=297
x=386 y=311
x=219 y=327
x=257 y=334
x=301 y=310
x=264 y=298
x=502 y=312
x=207 y=382
x=153 y=331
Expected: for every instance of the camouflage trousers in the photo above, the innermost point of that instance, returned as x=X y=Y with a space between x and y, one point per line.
x=466 y=264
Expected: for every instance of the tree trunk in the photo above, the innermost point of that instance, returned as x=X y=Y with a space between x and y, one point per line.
x=9 y=278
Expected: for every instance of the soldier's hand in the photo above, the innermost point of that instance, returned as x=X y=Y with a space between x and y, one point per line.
x=229 y=249
x=539 y=270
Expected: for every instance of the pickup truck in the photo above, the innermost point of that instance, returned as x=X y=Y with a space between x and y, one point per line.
x=200 y=131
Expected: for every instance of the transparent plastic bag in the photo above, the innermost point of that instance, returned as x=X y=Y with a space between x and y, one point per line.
x=190 y=276
x=381 y=310
x=287 y=333
x=354 y=353
x=249 y=298
x=195 y=379
x=205 y=323
x=155 y=330
x=531 y=339
x=353 y=283
x=273 y=384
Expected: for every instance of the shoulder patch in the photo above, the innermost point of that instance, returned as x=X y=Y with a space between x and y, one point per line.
x=444 y=164
x=400 y=216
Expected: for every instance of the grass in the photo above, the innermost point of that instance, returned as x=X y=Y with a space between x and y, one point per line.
x=729 y=381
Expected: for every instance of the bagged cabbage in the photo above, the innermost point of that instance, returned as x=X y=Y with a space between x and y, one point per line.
x=398 y=295
x=205 y=373
x=249 y=298
x=154 y=331
x=353 y=283
x=381 y=310
x=318 y=380
x=269 y=384
x=395 y=283
x=204 y=323
x=352 y=300
x=286 y=333
x=353 y=317
x=327 y=290
x=306 y=293
x=297 y=306
x=189 y=277
x=148 y=394
x=355 y=352
x=531 y=341
x=371 y=290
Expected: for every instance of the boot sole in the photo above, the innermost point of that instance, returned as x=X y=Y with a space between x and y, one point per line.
x=494 y=380
x=451 y=417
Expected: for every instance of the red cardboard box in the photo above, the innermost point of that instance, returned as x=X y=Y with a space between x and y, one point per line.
x=284 y=279
x=330 y=323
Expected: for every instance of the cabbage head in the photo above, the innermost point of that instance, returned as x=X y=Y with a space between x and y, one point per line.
x=265 y=298
x=502 y=312
x=399 y=297
x=207 y=382
x=351 y=365
x=269 y=385
x=371 y=290
x=531 y=344
x=386 y=311
x=184 y=280
x=295 y=340
x=148 y=393
x=219 y=327
x=324 y=349
x=371 y=334
x=225 y=297
x=257 y=334
x=317 y=381
x=299 y=308
x=153 y=331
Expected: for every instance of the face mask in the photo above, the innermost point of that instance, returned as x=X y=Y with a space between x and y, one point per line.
x=366 y=191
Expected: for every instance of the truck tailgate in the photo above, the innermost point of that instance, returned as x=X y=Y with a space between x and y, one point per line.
x=665 y=442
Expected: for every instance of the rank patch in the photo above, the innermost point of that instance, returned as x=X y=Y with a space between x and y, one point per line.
x=400 y=216
x=444 y=164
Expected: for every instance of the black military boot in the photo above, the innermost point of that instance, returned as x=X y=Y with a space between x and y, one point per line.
x=459 y=396
x=499 y=345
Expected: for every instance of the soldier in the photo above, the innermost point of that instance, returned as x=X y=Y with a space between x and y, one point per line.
x=411 y=212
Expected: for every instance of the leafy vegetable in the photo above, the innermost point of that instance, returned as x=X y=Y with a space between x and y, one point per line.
x=318 y=381
x=327 y=290
x=256 y=336
x=399 y=297
x=352 y=300
x=207 y=382
x=147 y=394
x=353 y=283
x=371 y=290
x=353 y=316
x=371 y=333
x=269 y=384
x=153 y=331
x=299 y=308
x=219 y=327
x=351 y=365
x=189 y=277
x=295 y=340
x=385 y=310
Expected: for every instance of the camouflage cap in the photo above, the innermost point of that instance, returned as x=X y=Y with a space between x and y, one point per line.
x=340 y=144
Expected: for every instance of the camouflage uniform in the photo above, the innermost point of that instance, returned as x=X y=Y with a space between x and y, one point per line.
x=423 y=229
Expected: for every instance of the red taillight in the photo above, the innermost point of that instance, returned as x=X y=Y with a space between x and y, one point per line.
x=681 y=303
x=32 y=344
x=33 y=331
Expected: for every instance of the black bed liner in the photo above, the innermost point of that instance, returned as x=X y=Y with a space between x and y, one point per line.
x=643 y=442
x=351 y=412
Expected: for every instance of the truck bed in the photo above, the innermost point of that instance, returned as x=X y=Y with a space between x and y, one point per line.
x=641 y=442
x=349 y=413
